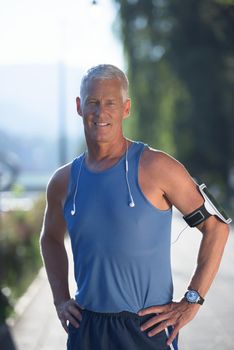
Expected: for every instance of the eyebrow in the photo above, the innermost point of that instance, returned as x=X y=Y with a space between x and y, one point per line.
x=91 y=99
x=112 y=99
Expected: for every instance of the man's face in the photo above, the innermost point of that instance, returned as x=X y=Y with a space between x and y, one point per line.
x=103 y=109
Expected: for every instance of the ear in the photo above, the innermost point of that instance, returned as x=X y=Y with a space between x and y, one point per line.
x=78 y=106
x=127 y=108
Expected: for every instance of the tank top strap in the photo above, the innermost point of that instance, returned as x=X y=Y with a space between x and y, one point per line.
x=136 y=149
x=135 y=155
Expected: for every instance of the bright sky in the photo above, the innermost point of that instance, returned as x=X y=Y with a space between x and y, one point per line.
x=39 y=34
x=47 y=31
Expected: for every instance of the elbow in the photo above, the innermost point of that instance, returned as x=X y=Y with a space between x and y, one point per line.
x=222 y=230
x=225 y=232
x=48 y=241
x=44 y=242
x=214 y=227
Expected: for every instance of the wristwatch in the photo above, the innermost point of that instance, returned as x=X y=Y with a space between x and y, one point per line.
x=193 y=297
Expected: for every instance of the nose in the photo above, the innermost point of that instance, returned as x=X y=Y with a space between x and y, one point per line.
x=99 y=110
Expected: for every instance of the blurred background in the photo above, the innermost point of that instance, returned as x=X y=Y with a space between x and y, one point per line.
x=179 y=57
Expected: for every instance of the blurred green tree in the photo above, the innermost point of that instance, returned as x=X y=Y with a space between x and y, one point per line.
x=180 y=65
x=20 y=257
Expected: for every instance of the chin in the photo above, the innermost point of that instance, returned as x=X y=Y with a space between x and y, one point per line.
x=101 y=138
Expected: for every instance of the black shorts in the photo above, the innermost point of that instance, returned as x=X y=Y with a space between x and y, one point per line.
x=115 y=331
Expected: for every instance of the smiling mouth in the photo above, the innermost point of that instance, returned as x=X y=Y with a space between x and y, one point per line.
x=101 y=124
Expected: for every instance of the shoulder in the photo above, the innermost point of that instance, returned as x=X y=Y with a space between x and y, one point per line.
x=58 y=183
x=165 y=169
x=154 y=159
x=172 y=178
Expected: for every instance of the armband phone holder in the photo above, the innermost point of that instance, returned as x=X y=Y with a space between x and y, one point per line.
x=210 y=207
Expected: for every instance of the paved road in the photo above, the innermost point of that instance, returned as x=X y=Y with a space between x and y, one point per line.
x=39 y=329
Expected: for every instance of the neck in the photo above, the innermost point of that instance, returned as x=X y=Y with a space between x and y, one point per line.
x=98 y=151
x=101 y=156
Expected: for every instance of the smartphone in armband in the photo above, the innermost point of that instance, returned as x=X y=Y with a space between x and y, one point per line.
x=210 y=207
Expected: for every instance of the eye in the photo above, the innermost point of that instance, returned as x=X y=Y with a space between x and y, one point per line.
x=111 y=103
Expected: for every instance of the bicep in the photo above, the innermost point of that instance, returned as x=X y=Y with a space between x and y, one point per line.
x=180 y=188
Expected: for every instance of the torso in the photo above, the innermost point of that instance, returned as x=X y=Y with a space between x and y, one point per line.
x=115 y=243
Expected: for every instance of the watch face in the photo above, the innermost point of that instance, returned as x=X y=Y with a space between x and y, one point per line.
x=192 y=296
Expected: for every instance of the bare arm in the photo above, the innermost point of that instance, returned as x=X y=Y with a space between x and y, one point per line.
x=180 y=189
x=215 y=234
x=54 y=252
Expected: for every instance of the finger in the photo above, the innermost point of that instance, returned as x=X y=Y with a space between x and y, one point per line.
x=74 y=311
x=155 y=320
x=153 y=309
x=173 y=335
x=149 y=323
x=159 y=328
x=72 y=320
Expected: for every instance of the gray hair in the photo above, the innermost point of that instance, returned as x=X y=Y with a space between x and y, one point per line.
x=104 y=72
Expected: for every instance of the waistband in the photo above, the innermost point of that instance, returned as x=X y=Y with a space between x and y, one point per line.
x=121 y=314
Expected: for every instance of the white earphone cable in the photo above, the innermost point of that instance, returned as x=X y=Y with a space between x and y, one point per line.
x=177 y=238
x=131 y=202
x=73 y=211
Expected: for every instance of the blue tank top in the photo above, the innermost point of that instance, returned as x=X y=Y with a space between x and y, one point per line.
x=121 y=254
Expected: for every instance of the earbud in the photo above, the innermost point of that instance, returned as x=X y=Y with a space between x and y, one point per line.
x=131 y=204
x=73 y=212
x=126 y=164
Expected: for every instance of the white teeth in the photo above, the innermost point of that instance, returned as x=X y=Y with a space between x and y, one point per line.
x=101 y=124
